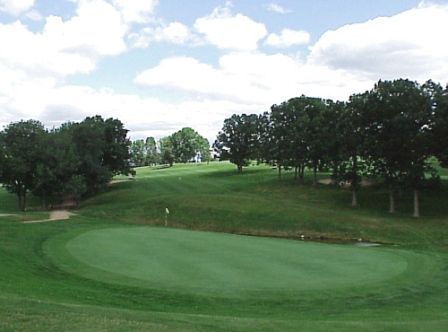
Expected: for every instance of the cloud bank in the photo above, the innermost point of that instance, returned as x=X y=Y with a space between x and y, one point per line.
x=251 y=67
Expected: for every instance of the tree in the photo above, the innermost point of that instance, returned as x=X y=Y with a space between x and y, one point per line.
x=144 y=152
x=439 y=132
x=138 y=153
x=152 y=154
x=273 y=140
x=103 y=147
x=20 y=153
x=166 y=150
x=348 y=164
x=315 y=133
x=186 y=144
x=396 y=119
x=56 y=177
x=75 y=159
x=115 y=153
x=282 y=137
x=299 y=134
x=238 y=139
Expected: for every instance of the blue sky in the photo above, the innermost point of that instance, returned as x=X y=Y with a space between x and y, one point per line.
x=161 y=65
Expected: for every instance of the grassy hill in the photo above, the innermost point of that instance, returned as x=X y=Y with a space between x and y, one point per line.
x=115 y=266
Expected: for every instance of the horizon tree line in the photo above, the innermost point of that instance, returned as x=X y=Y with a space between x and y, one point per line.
x=389 y=133
x=182 y=146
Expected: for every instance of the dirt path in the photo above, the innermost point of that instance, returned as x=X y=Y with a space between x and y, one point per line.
x=54 y=215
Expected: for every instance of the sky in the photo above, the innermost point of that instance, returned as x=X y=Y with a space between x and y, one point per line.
x=162 y=65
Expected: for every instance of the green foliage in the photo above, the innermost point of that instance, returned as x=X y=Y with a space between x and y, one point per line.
x=389 y=133
x=186 y=144
x=238 y=140
x=439 y=129
x=20 y=154
x=144 y=152
x=74 y=159
x=103 y=148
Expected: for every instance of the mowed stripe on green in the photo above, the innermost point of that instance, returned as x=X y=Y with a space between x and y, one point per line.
x=225 y=264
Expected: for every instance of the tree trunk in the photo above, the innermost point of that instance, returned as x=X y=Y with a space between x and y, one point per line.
x=354 y=197
x=391 y=200
x=20 y=203
x=240 y=169
x=416 y=204
x=279 y=172
x=315 y=176
x=46 y=205
x=296 y=172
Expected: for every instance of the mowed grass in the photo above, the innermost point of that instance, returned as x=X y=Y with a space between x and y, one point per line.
x=224 y=265
x=116 y=267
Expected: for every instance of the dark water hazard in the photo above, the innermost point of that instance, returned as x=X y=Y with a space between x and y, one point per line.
x=355 y=242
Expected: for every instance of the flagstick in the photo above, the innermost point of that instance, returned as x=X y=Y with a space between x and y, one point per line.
x=167 y=212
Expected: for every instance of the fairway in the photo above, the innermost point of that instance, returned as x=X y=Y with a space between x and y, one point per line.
x=114 y=266
x=223 y=264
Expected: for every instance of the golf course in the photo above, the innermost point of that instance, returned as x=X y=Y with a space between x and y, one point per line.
x=199 y=247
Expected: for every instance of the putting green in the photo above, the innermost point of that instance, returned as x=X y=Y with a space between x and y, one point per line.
x=222 y=264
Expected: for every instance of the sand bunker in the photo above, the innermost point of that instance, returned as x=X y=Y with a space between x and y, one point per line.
x=54 y=215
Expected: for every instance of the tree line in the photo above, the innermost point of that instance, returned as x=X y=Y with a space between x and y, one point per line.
x=389 y=133
x=182 y=146
x=72 y=161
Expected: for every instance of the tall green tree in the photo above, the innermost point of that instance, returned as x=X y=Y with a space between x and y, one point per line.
x=144 y=152
x=138 y=153
x=396 y=118
x=166 y=150
x=152 y=153
x=439 y=130
x=20 y=153
x=56 y=175
x=104 y=150
x=273 y=140
x=187 y=143
x=239 y=139
x=115 y=154
x=350 y=166
x=316 y=133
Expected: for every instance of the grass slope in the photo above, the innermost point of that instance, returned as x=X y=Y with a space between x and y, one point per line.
x=51 y=280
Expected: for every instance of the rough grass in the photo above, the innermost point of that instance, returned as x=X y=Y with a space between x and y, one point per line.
x=42 y=292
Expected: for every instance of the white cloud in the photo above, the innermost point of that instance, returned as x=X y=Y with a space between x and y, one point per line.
x=139 y=11
x=97 y=29
x=15 y=7
x=64 y=48
x=230 y=32
x=345 y=61
x=288 y=38
x=19 y=43
x=273 y=7
x=248 y=78
x=408 y=45
x=189 y=75
x=175 y=32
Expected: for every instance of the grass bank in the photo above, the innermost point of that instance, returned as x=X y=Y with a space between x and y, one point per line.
x=43 y=288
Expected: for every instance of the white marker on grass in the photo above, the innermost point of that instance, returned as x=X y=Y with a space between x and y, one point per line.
x=167 y=212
